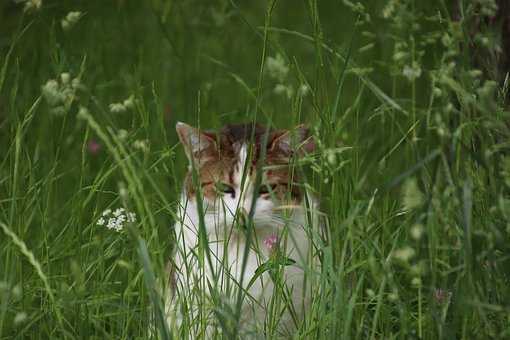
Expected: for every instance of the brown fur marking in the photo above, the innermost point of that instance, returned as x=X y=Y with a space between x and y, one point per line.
x=218 y=162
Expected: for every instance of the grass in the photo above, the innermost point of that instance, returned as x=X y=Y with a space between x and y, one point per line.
x=412 y=168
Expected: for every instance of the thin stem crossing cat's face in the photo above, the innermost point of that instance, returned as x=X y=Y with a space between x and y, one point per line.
x=226 y=164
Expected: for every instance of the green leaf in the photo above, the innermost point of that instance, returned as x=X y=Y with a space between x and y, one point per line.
x=271 y=264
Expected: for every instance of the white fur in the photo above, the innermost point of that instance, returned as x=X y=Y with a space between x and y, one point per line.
x=227 y=245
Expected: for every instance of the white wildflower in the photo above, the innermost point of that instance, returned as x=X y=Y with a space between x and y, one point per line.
x=412 y=72
x=437 y=92
x=31 y=5
x=121 y=219
x=117 y=107
x=51 y=92
x=118 y=212
x=400 y=55
x=20 y=318
x=412 y=196
x=112 y=224
x=76 y=83
x=331 y=156
x=404 y=254
x=417 y=231
x=281 y=89
x=141 y=144
x=303 y=90
x=70 y=20
x=389 y=9
x=129 y=103
x=475 y=73
x=59 y=93
x=117 y=219
x=416 y=282
x=446 y=40
x=131 y=217
x=277 y=67
x=488 y=8
x=123 y=106
x=65 y=77
x=73 y=16
x=393 y=296
x=65 y=25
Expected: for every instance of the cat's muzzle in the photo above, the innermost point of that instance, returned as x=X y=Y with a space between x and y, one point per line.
x=241 y=219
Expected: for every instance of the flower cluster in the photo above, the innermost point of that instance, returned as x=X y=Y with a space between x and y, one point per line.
x=412 y=196
x=278 y=69
x=412 y=72
x=303 y=90
x=70 y=20
x=404 y=254
x=141 y=144
x=31 y=5
x=271 y=242
x=116 y=220
x=60 y=93
x=93 y=147
x=488 y=8
x=281 y=89
x=128 y=103
x=417 y=231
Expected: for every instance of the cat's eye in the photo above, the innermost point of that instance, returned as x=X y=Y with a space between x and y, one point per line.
x=267 y=188
x=224 y=188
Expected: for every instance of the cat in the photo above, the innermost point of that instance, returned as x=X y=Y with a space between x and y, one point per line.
x=225 y=165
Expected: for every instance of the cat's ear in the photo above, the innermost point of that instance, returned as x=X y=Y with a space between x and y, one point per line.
x=288 y=142
x=198 y=145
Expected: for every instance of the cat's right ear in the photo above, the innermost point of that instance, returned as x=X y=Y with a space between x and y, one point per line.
x=198 y=145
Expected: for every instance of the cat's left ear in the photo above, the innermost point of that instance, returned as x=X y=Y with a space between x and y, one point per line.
x=198 y=145
x=295 y=141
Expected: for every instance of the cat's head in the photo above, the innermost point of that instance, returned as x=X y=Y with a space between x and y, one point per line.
x=226 y=162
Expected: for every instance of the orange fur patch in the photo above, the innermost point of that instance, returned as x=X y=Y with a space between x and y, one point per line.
x=220 y=160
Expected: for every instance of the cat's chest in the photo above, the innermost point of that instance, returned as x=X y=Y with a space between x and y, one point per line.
x=230 y=256
x=231 y=244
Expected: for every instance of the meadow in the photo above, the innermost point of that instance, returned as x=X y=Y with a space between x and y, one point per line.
x=407 y=101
